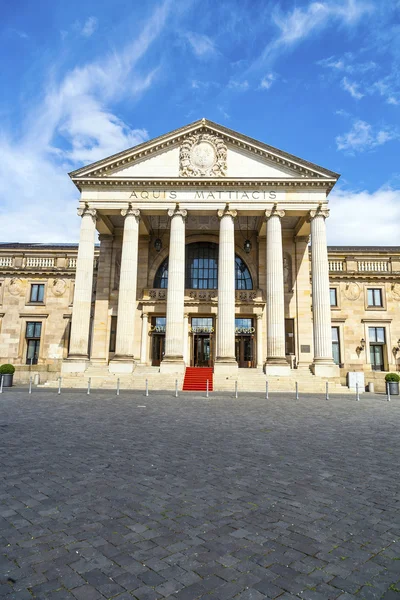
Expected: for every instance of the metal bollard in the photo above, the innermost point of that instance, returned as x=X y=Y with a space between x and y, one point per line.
x=207 y=390
x=297 y=390
x=30 y=385
x=176 y=388
x=388 y=391
x=147 y=387
x=236 y=389
x=59 y=385
x=1 y=385
x=357 y=393
x=327 y=391
x=118 y=386
x=88 y=386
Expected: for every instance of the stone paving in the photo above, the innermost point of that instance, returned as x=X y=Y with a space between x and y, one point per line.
x=132 y=497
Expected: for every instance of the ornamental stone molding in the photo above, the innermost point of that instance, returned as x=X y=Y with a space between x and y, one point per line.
x=352 y=291
x=320 y=212
x=87 y=211
x=16 y=286
x=203 y=155
x=274 y=212
x=227 y=212
x=173 y=212
x=58 y=288
x=396 y=291
x=125 y=212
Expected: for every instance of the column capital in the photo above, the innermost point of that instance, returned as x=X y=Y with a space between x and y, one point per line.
x=227 y=212
x=87 y=211
x=125 y=212
x=320 y=212
x=145 y=315
x=259 y=317
x=274 y=212
x=174 y=212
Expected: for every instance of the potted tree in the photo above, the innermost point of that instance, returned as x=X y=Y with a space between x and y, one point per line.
x=7 y=373
x=392 y=381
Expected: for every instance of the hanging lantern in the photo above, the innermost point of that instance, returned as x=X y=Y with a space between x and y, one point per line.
x=247 y=246
x=158 y=244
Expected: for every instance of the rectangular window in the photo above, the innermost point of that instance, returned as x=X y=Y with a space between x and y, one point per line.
x=113 y=334
x=333 y=296
x=37 y=292
x=374 y=297
x=32 y=335
x=336 y=345
x=376 y=347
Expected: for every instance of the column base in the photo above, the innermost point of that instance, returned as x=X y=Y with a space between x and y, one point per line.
x=75 y=364
x=173 y=364
x=325 y=368
x=226 y=366
x=122 y=364
x=278 y=366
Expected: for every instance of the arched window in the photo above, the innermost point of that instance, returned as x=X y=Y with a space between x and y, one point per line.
x=201 y=271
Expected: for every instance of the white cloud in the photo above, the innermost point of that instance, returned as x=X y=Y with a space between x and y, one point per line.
x=89 y=27
x=37 y=198
x=300 y=23
x=362 y=136
x=201 y=45
x=267 y=81
x=346 y=64
x=376 y=214
x=353 y=88
x=240 y=86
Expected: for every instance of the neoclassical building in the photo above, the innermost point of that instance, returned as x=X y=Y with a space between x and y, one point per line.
x=203 y=260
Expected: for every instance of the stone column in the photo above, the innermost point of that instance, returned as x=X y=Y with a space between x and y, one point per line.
x=123 y=360
x=185 y=337
x=79 y=340
x=276 y=363
x=100 y=339
x=143 y=342
x=225 y=356
x=259 y=341
x=173 y=360
x=323 y=364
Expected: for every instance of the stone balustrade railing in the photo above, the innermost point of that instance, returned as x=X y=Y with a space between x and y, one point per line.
x=39 y=261
x=377 y=266
x=337 y=265
x=6 y=261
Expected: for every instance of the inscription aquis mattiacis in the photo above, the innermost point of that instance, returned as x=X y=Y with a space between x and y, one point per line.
x=204 y=196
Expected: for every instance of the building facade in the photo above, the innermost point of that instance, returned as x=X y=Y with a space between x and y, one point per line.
x=203 y=260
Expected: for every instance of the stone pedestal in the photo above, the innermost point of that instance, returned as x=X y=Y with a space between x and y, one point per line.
x=276 y=363
x=173 y=361
x=123 y=361
x=225 y=362
x=323 y=364
x=79 y=341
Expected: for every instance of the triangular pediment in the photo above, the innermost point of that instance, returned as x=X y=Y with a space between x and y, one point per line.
x=203 y=150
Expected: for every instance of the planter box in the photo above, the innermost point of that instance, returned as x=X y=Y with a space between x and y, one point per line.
x=393 y=387
x=7 y=380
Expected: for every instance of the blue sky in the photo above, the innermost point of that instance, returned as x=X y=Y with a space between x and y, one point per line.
x=82 y=80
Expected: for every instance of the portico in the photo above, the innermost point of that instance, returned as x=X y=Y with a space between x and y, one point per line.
x=204 y=255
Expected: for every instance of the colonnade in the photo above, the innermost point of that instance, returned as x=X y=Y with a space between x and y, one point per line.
x=176 y=323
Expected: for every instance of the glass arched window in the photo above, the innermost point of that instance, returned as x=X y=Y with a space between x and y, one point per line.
x=202 y=269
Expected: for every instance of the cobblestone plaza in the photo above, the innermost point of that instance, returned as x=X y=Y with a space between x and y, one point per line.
x=133 y=497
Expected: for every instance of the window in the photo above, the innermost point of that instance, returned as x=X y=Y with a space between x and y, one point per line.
x=333 y=296
x=376 y=347
x=201 y=270
x=335 y=345
x=32 y=335
x=37 y=292
x=113 y=334
x=374 y=297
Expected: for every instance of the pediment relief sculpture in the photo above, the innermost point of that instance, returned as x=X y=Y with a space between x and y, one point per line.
x=203 y=155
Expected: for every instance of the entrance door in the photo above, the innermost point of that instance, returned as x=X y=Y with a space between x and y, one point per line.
x=202 y=329
x=157 y=340
x=244 y=350
x=202 y=350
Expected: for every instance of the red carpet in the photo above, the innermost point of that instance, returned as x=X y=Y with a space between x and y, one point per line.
x=196 y=379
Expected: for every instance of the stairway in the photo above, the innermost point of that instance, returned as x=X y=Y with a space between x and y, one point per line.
x=196 y=379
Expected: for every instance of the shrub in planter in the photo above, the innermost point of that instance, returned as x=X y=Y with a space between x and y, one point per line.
x=392 y=381
x=6 y=373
